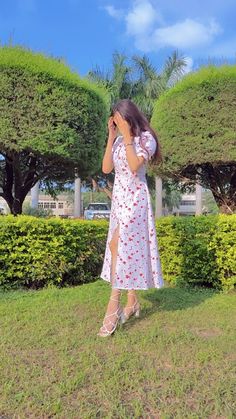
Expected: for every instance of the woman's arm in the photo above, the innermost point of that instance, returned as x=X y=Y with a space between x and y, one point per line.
x=107 y=162
x=134 y=161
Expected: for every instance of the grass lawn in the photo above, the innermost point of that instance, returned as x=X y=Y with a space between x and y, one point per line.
x=176 y=361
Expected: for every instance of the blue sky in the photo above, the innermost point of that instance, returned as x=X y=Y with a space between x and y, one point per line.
x=86 y=32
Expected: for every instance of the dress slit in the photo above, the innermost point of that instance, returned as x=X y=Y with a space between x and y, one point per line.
x=113 y=264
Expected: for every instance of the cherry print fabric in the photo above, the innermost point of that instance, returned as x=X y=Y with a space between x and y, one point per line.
x=138 y=263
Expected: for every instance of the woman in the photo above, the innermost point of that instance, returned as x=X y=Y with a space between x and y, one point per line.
x=131 y=258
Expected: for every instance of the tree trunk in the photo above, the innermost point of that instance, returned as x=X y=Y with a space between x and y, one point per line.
x=228 y=208
x=223 y=188
x=107 y=191
x=16 y=207
x=17 y=182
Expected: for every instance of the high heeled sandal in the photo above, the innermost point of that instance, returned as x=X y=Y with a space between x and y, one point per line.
x=104 y=331
x=135 y=311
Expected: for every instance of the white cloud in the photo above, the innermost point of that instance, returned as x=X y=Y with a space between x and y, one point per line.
x=145 y=24
x=141 y=18
x=186 y=34
x=113 y=12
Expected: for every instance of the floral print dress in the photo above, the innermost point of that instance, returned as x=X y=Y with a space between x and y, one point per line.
x=138 y=263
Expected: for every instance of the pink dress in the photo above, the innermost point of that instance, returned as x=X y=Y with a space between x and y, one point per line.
x=138 y=263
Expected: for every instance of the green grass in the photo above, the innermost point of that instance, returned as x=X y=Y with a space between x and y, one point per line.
x=176 y=361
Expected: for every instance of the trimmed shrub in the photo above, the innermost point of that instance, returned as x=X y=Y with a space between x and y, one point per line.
x=195 y=119
x=35 y=252
x=196 y=124
x=51 y=122
x=199 y=250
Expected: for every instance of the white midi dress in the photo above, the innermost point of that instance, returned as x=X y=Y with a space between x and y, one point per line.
x=138 y=264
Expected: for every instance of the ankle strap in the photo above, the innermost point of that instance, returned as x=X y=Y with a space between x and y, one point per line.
x=114 y=299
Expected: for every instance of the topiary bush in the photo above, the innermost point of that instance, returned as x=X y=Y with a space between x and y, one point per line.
x=51 y=122
x=35 y=252
x=197 y=130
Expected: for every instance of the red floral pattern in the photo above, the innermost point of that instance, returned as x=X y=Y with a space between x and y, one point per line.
x=138 y=263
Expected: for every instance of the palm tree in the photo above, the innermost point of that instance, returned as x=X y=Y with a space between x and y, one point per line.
x=142 y=83
x=151 y=84
x=139 y=81
x=118 y=81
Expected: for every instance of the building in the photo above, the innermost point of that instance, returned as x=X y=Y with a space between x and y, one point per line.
x=61 y=206
x=187 y=205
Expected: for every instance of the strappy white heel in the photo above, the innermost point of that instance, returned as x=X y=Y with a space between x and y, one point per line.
x=135 y=311
x=103 y=332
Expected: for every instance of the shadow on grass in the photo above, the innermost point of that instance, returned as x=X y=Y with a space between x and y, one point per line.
x=175 y=298
x=168 y=298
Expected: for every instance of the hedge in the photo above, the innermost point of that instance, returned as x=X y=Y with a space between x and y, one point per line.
x=196 y=121
x=48 y=110
x=36 y=253
x=199 y=250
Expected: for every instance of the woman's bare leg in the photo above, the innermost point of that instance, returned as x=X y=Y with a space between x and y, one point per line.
x=132 y=301
x=115 y=292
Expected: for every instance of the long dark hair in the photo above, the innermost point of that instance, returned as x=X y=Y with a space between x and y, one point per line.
x=138 y=123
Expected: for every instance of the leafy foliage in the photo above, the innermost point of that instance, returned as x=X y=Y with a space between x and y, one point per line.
x=51 y=121
x=197 y=129
x=138 y=80
x=36 y=212
x=151 y=83
x=199 y=250
x=37 y=252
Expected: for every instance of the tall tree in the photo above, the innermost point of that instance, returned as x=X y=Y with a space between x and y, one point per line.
x=197 y=127
x=117 y=81
x=150 y=83
x=137 y=79
x=51 y=121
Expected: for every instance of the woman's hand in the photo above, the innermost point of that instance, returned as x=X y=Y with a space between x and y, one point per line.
x=112 y=129
x=123 y=127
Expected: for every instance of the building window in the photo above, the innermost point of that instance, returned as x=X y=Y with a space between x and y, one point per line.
x=61 y=205
x=185 y=202
x=47 y=205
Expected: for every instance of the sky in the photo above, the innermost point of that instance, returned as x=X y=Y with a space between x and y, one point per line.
x=85 y=33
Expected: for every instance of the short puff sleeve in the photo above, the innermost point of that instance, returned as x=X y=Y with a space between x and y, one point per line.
x=146 y=145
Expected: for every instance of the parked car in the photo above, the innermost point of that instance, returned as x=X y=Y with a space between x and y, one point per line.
x=97 y=210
